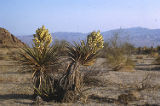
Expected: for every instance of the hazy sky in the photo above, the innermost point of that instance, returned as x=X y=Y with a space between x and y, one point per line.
x=23 y=17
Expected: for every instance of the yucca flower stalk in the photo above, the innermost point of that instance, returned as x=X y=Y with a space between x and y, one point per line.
x=39 y=59
x=83 y=53
x=95 y=41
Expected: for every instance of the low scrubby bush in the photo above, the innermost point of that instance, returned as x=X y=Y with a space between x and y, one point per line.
x=117 y=53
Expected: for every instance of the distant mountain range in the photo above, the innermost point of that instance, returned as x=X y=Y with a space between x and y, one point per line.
x=138 y=36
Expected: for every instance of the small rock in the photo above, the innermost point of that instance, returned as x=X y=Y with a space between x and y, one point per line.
x=39 y=100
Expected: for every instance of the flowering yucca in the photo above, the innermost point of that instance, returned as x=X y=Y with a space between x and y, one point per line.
x=83 y=53
x=42 y=38
x=95 y=41
x=41 y=58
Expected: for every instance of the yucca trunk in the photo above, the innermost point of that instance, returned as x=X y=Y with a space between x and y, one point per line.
x=43 y=84
x=72 y=78
x=71 y=82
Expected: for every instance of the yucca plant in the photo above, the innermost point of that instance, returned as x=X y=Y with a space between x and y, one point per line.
x=83 y=53
x=41 y=59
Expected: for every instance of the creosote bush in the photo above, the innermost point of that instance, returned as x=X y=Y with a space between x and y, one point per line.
x=118 y=54
x=157 y=60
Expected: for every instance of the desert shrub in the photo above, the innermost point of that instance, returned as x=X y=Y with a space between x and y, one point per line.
x=128 y=97
x=118 y=53
x=155 y=54
x=157 y=60
x=90 y=76
x=139 y=57
x=129 y=49
x=83 y=53
x=147 y=50
x=145 y=83
x=93 y=81
x=61 y=44
x=39 y=59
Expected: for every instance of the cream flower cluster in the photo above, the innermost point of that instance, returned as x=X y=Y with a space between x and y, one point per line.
x=95 y=41
x=42 y=38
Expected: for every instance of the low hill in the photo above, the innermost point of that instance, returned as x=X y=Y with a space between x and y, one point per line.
x=9 y=40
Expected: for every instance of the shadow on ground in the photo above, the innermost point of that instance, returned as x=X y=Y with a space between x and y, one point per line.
x=102 y=99
x=147 y=67
x=16 y=96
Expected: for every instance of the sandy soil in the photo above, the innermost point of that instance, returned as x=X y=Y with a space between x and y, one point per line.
x=16 y=87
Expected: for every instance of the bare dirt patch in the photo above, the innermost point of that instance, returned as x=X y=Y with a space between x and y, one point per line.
x=105 y=87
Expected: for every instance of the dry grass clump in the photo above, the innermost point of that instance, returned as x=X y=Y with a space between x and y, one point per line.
x=93 y=81
x=90 y=77
x=155 y=54
x=128 y=97
x=133 y=91
x=118 y=54
x=157 y=60
x=144 y=84
x=139 y=57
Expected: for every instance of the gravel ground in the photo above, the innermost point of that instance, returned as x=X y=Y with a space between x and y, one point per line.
x=16 y=87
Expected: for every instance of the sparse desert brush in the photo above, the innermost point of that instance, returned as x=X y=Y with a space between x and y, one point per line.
x=38 y=59
x=90 y=79
x=129 y=64
x=61 y=44
x=157 y=60
x=83 y=53
x=129 y=97
x=118 y=54
x=139 y=57
x=154 y=54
